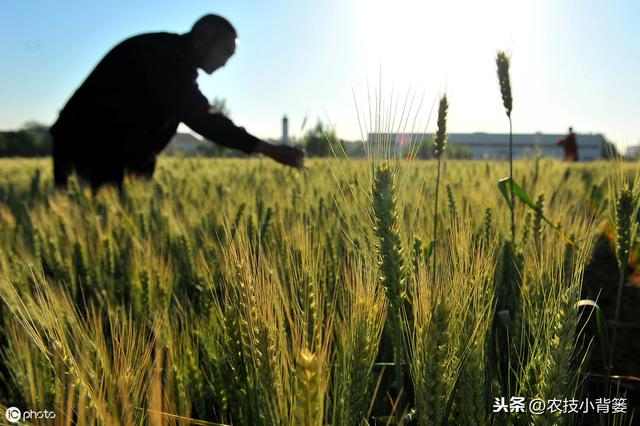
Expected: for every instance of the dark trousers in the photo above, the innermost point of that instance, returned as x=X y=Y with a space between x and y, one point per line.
x=99 y=164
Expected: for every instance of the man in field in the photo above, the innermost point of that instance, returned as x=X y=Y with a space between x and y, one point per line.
x=570 y=145
x=129 y=107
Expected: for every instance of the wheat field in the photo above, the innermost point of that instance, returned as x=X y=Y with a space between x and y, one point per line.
x=240 y=292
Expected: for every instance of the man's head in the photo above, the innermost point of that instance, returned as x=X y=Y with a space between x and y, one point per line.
x=213 y=39
x=570 y=129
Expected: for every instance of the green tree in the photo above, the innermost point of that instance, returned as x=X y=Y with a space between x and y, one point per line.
x=220 y=105
x=609 y=150
x=33 y=140
x=322 y=141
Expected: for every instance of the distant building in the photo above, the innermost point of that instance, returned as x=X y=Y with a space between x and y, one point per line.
x=633 y=152
x=183 y=143
x=496 y=145
x=285 y=131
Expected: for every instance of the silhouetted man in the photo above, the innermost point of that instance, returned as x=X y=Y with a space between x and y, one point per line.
x=570 y=145
x=129 y=107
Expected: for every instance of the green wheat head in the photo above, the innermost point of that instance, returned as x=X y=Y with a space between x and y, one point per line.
x=387 y=230
x=624 y=212
x=391 y=261
x=440 y=138
x=502 y=61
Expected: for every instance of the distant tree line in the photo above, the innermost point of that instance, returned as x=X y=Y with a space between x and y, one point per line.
x=609 y=151
x=33 y=140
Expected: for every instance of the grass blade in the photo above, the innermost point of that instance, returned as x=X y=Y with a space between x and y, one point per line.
x=601 y=324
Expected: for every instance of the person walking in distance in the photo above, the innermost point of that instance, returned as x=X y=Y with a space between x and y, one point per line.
x=570 y=145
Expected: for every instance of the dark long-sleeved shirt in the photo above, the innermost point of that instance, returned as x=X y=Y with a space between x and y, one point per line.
x=139 y=93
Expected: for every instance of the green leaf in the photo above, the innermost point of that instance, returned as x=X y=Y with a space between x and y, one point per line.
x=505 y=185
x=502 y=186
x=454 y=389
x=601 y=323
x=429 y=249
x=505 y=317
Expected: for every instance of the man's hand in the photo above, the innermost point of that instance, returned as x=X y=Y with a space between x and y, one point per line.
x=284 y=154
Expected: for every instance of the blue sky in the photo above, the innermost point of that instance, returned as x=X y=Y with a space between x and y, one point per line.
x=573 y=62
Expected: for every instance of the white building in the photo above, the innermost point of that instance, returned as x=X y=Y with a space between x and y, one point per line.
x=185 y=143
x=633 y=152
x=496 y=145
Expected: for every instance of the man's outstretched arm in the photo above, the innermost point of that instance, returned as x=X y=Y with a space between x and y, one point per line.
x=287 y=155
x=179 y=91
x=193 y=109
x=221 y=130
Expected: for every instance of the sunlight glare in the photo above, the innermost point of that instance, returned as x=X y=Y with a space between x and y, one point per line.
x=437 y=37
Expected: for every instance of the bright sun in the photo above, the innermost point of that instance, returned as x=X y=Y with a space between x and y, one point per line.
x=439 y=36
